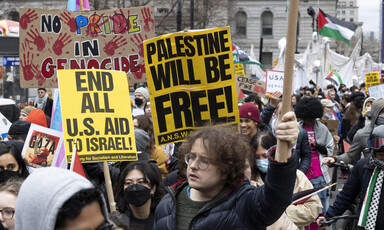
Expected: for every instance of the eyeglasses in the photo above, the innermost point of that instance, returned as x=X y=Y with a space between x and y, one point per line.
x=7 y=213
x=106 y=225
x=376 y=143
x=202 y=162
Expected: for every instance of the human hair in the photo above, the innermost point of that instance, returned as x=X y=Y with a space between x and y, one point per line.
x=6 y=147
x=151 y=175
x=264 y=139
x=71 y=209
x=12 y=185
x=312 y=90
x=227 y=150
x=298 y=98
x=254 y=98
x=353 y=88
x=42 y=89
x=352 y=113
x=146 y=124
x=309 y=107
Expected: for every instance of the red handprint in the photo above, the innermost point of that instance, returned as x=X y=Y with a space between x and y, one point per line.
x=120 y=22
x=29 y=70
x=25 y=46
x=146 y=12
x=36 y=39
x=139 y=74
x=69 y=20
x=139 y=43
x=28 y=17
x=59 y=44
x=116 y=42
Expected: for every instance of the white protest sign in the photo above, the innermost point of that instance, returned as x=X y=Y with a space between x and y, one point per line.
x=275 y=81
x=5 y=124
x=376 y=91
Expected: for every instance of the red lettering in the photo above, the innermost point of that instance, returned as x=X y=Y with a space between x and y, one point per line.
x=133 y=59
x=104 y=64
x=60 y=63
x=47 y=68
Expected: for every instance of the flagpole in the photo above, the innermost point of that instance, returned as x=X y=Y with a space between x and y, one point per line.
x=81 y=5
x=108 y=185
x=73 y=155
x=282 y=153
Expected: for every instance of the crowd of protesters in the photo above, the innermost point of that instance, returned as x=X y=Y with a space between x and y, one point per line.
x=215 y=179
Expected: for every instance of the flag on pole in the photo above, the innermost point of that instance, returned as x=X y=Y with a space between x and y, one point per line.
x=240 y=56
x=335 y=28
x=334 y=78
x=75 y=163
x=303 y=196
x=74 y=5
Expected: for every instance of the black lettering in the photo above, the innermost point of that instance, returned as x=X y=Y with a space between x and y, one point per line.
x=161 y=51
x=224 y=41
x=124 y=126
x=162 y=111
x=180 y=73
x=213 y=74
x=214 y=43
x=87 y=123
x=51 y=149
x=89 y=48
x=87 y=104
x=169 y=48
x=107 y=78
x=179 y=107
x=79 y=81
x=94 y=81
x=111 y=143
x=109 y=129
x=214 y=106
x=32 y=142
x=161 y=77
x=179 y=46
x=190 y=52
x=46 y=23
x=191 y=73
x=102 y=143
x=198 y=108
x=94 y=145
x=56 y=24
x=223 y=67
x=151 y=50
x=75 y=130
x=106 y=103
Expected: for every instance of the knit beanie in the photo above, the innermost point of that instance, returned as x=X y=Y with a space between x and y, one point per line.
x=249 y=110
x=27 y=109
x=37 y=116
x=142 y=139
x=20 y=128
x=143 y=91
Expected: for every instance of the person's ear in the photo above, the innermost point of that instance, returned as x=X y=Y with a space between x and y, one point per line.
x=153 y=190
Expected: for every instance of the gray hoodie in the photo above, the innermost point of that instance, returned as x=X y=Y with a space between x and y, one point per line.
x=360 y=139
x=43 y=193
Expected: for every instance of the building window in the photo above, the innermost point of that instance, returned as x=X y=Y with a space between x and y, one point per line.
x=241 y=23
x=343 y=19
x=266 y=23
x=343 y=4
x=351 y=12
x=338 y=12
x=350 y=3
x=351 y=19
x=162 y=10
x=343 y=12
x=266 y=58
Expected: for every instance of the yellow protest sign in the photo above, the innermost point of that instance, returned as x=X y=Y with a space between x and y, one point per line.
x=371 y=79
x=96 y=112
x=239 y=69
x=191 y=82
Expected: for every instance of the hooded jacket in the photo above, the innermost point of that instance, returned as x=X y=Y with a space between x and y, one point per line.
x=360 y=139
x=361 y=122
x=42 y=195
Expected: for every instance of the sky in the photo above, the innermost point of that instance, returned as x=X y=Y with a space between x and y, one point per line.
x=369 y=14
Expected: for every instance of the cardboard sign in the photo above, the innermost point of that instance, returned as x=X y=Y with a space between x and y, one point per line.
x=376 y=91
x=105 y=39
x=275 y=81
x=249 y=84
x=97 y=112
x=5 y=124
x=239 y=69
x=371 y=79
x=191 y=82
x=332 y=125
x=41 y=146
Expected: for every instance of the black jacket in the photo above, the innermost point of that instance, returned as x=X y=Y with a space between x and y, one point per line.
x=244 y=207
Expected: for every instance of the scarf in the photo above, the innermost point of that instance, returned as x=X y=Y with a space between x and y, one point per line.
x=40 y=102
x=369 y=210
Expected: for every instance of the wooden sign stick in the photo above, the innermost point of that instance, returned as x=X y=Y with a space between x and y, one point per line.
x=282 y=153
x=108 y=185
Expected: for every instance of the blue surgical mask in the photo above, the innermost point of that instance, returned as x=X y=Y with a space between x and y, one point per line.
x=262 y=165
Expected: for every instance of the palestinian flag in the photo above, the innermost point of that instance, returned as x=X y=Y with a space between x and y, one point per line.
x=335 y=28
x=334 y=78
x=240 y=56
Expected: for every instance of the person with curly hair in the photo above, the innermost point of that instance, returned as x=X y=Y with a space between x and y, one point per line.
x=215 y=194
x=321 y=143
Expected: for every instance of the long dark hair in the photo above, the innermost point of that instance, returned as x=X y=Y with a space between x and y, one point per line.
x=151 y=175
x=264 y=139
x=11 y=148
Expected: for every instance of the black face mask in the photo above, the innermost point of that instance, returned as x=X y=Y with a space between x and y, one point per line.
x=359 y=104
x=138 y=101
x=137 y=195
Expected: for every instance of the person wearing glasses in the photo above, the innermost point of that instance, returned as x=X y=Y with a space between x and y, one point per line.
x=9 y=191
x=366 y=179
x=215 y=194
x=137 y=193
x=54 y=198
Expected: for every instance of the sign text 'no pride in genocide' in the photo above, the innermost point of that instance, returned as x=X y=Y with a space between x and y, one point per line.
x=191 y=82
x=105 y=39
x=96 y=112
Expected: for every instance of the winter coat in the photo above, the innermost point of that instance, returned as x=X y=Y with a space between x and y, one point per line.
x=243 y=207
x=357 y=182
x=360 y=139
x=158 y=154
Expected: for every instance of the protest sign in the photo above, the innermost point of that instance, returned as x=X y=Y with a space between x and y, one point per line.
x=249 y=84
x=191 y=82
x=275 y=81
x=105 y=39
x=371 y=79
x=239 y=69
x=41 y=146
x=5 y=124
x=376 y=91
x=96 y=111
